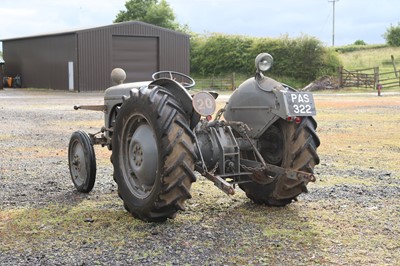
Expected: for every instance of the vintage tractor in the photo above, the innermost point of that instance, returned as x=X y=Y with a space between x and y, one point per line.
x=160 y=135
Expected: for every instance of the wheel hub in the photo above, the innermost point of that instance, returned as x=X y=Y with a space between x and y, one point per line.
x=76 y=162
x=137 y=154
x=143 y=156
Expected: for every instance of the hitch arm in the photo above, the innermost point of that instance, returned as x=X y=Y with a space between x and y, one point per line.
x=273 y=170
x=91 y=107
x=218 y=181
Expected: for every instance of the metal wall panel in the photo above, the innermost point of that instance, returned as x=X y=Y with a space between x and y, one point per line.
x=95 y=54
x=42 y=62
x=138 y=56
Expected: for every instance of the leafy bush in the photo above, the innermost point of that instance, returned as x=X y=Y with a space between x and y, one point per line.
x=303 y=58
x=217 y=54
x=360 y=42
x=392 y=35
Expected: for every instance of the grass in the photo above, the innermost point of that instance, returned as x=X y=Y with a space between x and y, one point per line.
x=357 y=125
x=359 y=140
x=77 y=225
x=371 y=58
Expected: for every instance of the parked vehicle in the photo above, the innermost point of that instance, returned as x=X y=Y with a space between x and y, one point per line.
x=160 y=135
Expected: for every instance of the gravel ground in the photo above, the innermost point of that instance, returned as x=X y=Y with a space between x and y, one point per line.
x=350 y=217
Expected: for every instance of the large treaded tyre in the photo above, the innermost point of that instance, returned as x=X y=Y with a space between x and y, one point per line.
x=153 y=154
x=291 y=146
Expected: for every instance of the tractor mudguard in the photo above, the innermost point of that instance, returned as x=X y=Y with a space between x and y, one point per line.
x=260 y=101
x=254 y=106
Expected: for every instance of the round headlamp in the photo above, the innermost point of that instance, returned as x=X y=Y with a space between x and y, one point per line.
x=264 y=62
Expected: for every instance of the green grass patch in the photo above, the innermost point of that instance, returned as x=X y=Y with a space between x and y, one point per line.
x=354 y=48
x=82 y=224
x=370 y=58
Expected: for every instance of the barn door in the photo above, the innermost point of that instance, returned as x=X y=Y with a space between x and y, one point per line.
x=138 y=56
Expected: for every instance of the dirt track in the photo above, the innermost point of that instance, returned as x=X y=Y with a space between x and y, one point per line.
x=350 y=217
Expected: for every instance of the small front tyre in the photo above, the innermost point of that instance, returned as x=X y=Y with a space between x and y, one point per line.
x=82 y=161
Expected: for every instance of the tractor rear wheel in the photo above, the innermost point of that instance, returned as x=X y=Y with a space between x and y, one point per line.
x=291 y=146
x=153 y=154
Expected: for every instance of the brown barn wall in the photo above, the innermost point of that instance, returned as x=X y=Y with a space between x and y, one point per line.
x=42 y=62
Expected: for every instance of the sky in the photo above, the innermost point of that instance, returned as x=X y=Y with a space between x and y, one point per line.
x=365 y=20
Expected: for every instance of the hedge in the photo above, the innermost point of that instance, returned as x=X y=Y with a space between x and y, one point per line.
x=304 y=58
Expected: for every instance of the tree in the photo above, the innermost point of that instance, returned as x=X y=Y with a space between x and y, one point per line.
x=150 y=11
x=360 y=42
x=392 y=35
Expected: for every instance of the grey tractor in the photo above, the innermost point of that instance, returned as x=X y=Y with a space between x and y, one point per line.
x=161 y=136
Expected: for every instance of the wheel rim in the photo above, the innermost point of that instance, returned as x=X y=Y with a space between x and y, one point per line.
x=272 y=143
x=140 y=156
x=78 y=163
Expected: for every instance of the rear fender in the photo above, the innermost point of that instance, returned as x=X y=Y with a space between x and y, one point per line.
x=261 y=102
x=254 y=106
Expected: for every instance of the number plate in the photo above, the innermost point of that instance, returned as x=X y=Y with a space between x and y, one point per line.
x=300 y=104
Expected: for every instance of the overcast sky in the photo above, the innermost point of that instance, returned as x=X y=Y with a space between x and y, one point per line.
x=355 y=19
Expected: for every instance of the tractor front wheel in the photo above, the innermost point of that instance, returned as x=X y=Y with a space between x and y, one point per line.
x=82 y=161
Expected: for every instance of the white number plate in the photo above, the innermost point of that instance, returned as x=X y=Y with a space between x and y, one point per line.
x=300 y=104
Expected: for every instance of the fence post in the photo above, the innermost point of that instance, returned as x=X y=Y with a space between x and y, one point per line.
x=340 y=76
x=233 y=81
x=394 y=66
x=376 y=76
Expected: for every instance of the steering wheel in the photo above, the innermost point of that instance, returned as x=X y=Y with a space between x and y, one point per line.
x=171 y=74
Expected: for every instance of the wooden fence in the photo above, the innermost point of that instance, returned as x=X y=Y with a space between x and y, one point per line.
x=389 y=79
x=368 y=78
x=220 y=83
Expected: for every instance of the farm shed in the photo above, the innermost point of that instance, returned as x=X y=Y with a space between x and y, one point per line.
x=82 y=60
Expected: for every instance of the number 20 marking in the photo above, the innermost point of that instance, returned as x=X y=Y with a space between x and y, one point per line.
x=203 y=104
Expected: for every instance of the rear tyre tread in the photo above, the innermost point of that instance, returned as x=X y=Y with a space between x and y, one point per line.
x=300 y=154
x=176 y=159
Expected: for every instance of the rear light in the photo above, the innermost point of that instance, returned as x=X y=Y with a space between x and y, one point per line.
x=208 y=117
x=296 y=119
